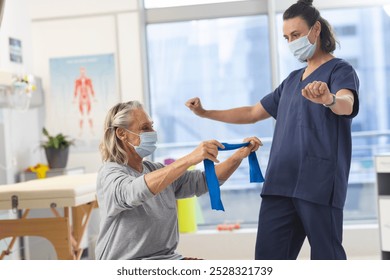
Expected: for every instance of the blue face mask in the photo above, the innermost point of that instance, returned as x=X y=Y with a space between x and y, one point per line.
x=302 y=49
x=147 y=144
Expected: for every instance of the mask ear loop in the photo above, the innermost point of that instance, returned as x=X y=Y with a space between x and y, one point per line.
x=311 y=28
x=121 y=137
x=307 y=36
x=130 y=144
x=134 y=134
x=131 y=132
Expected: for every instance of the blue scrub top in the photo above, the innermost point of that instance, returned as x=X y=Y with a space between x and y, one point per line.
x=311 y=149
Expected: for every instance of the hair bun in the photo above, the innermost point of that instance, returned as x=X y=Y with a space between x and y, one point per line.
x=306 y=2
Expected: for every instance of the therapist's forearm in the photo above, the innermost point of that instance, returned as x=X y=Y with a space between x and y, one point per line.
x=236 y=115
x=344 y=105
x=239 y=115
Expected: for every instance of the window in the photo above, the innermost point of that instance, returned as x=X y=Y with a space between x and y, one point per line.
x=345 y=30
x=225 y=62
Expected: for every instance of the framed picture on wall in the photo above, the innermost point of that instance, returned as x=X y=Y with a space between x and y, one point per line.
x=82 y=89
x=15 y=50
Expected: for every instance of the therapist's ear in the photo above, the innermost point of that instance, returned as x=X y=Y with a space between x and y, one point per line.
x=317 y=28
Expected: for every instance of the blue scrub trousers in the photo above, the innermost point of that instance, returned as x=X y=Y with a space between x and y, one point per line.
x=284 y=222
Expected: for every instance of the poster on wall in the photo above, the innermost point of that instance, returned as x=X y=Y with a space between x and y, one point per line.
x=82 y=90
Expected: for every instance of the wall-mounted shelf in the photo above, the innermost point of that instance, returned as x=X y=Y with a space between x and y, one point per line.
x=6 y=89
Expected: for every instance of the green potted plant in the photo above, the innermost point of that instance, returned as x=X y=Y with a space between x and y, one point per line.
x=56 y=149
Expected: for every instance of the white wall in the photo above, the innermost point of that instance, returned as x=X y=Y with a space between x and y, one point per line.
x=49 y=9
x=21 y=138
x=19 y=135
x=16 y=24
x=81 y=28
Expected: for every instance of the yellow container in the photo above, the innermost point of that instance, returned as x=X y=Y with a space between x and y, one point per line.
x=186 y=212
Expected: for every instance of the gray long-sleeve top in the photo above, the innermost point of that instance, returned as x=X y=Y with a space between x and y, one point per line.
x=136 y=224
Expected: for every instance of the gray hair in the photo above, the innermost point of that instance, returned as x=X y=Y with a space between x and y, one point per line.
x=111 y=148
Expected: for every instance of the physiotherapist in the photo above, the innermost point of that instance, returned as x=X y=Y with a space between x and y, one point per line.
x=307 y=175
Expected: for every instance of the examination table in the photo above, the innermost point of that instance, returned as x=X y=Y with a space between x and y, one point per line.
x=76 y=194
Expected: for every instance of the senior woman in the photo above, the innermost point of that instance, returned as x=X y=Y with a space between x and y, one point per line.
x=137 y=197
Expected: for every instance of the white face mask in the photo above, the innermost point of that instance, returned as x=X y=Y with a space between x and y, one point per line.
x=302 y=49
x=147 y=144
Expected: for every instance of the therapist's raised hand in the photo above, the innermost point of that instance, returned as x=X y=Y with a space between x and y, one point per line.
x=317 y=92
x=195 y=106
x=205 y=150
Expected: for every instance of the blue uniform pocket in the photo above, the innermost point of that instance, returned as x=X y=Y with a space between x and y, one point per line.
x=316 y=180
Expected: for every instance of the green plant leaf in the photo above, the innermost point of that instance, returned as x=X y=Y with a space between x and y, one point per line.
x=60 y=141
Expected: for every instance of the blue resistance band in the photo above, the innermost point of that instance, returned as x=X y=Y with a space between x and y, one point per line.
x=212 y=181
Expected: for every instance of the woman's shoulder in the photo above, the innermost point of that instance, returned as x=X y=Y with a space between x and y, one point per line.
x=109 y=167
x=342 y=67
x=340 y=62
x=112 y=167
